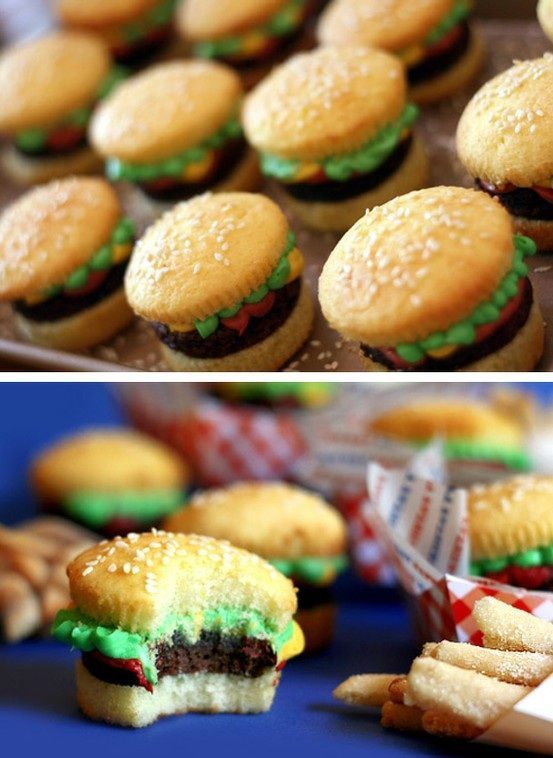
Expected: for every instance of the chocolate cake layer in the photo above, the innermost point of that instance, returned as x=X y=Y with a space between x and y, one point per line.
x=225 y=341
x=310 y=596
x=435 y=65
x=334 y=191
x=61 y=306
x=231 y=155
x=470 y=353
x=523 y=202
x=140 y=52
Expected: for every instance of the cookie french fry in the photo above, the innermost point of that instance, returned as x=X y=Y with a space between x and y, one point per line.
x=58 y=530
x=397 y=689
x=369 y=690
x=468 y=695
x=524 y=668
x=13 y=541
x=19 y=608
x=508 y=628
x=399 y=716
x=34 y=568
x=446 y=725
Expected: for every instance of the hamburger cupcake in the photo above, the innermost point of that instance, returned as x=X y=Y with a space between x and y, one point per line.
x=134 y=30
x=110 y=480
x=220 y=279
x=162 y=132
x=545 y=17
x=279 y=395
x=250 y=35
x=295 y=530
x=50 y=87
x=64 y=248
x=470 y=430
x=433 y=38
x=335 y=132
x=505 y=141
x=435 y=281
x=170 y=624
x=511 y=531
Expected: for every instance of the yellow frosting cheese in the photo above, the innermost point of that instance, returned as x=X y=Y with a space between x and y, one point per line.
x=294 y=646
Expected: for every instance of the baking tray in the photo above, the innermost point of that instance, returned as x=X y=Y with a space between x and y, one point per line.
x=137 y=348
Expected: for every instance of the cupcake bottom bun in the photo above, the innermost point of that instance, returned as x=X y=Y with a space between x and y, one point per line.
x=266 y=345
x=169 y=623
x=521 y=352
x=82 y=329
x=25 y=170
x=317 y=624
x=320 y=206
x=442 y=75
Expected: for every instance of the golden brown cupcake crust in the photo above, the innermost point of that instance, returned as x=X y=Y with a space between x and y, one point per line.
x=318 y=103
x=52 y=230
x=505 y=134
x=212 y=19
x=387 y=24
x=165 y=110
x=511 y=516
x=106 y=460
x=100 y=13
x=409 y=268
x=203 y=255
x=43 y=80
x=273 y=520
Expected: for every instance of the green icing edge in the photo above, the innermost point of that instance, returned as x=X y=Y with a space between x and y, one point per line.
x=467 y=449
x=459 y=12
x=173 y=167
x=311 y=569
x=255 y=391
x=81 y=632
x=32 y=140
x=340 y=168
x=160 y=15
x=279 y=25
x=95 y=509
x=276 y=281
x=540 y=556
x=101 y=260
x=464 y=332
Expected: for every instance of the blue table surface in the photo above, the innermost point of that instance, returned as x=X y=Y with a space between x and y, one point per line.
x=37 y=704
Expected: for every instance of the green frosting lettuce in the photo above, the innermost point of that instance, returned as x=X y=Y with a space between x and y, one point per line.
x=282 y=24
x=102 y=260
x=81 y=632
x=539 y=556
x=340 y=168
x=276 y=281
x=513 y=457
x=173 y=167
x=34 y=140
x=458 y=13
x=464 y=332
x=313 y=569
x=95 y=509
x=160 y=15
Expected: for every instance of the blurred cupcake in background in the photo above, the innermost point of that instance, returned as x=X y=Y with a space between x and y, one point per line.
x=110 y=480
x=295 y=530
x=279 y=395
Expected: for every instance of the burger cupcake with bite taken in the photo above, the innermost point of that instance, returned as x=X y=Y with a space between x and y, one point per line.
x=50 y=86
x=174 y=131
x=335 y=130
x=505 y=141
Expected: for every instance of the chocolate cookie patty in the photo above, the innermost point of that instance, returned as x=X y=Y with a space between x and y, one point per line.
x=470 y=353
x=225 y=341
x=436 y=65
x=48 y=152
x=310 y=596
x=61 y=306
x=332 y=191
x=523 y=202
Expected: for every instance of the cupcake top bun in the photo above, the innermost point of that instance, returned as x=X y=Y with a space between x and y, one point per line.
x=387 y=24
x=52 y=230
x=416 y=265
x=545 y=16
x=211 y=19
x=505 y=133
x=511 y=516
x=165 y=110
x=322 y=103
x=45 y=79
x=99 y=13
x=204 y=255
x=138 y=581
x=106 y=460
x=458 y=418
x=273 y=520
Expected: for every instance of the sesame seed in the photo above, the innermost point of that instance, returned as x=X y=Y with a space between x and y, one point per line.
x=112 y=567
x=88 y=571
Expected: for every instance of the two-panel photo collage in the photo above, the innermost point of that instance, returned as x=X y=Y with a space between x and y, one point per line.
x=276 y=428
